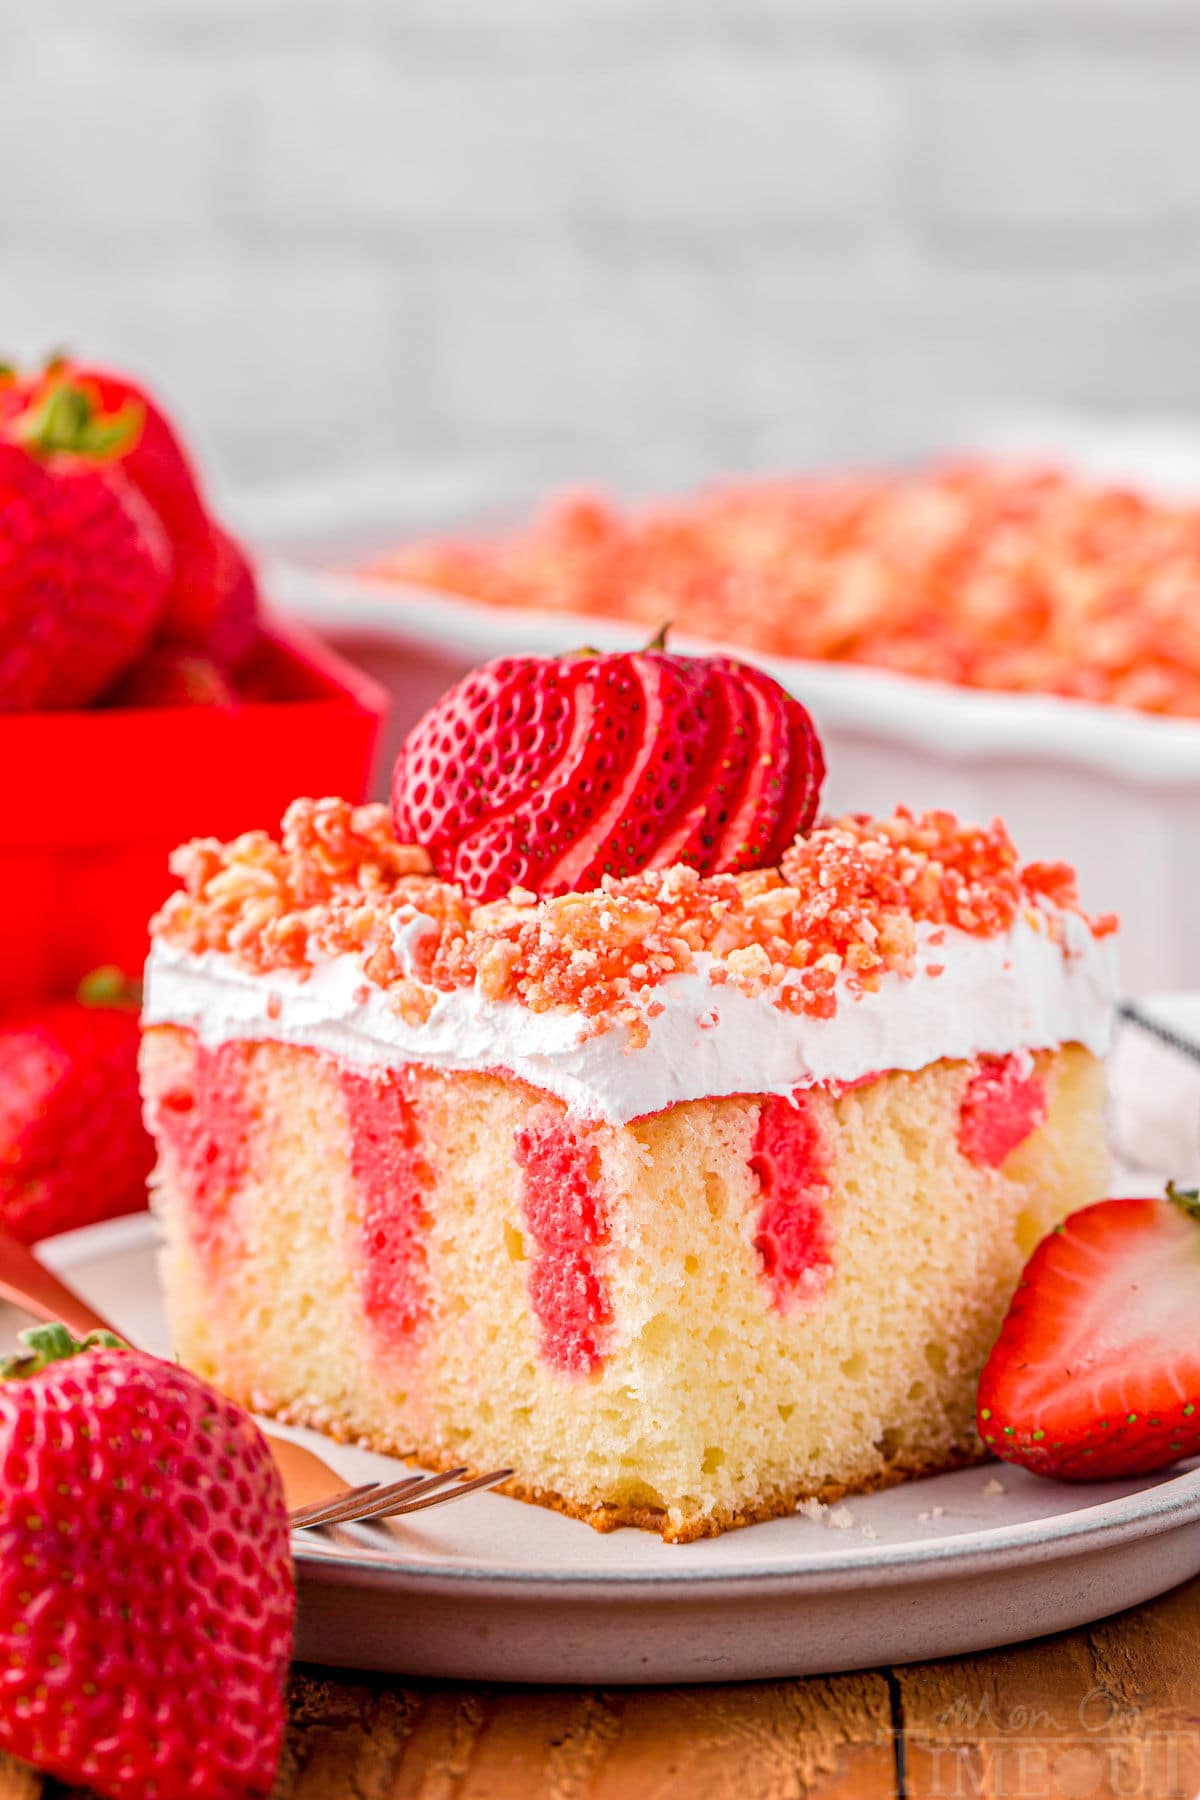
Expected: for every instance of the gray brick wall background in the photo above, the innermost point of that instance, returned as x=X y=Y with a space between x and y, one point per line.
x=482 y=245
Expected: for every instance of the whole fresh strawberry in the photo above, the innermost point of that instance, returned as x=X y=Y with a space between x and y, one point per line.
x=212 y=601
x=84 y=563
x=73 y=1148
x=550 y=772
x=225 y=621
x=172 y=675
x=145 y=1578
x=1096 y=1372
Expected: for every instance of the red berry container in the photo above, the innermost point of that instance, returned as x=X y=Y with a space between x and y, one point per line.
x=93 y=803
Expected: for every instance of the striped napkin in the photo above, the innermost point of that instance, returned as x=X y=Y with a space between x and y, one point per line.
x=1154 y=1086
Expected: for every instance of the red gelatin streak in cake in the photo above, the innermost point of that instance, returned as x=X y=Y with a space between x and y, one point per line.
x=206 y=1127
x=790 y=1162
x=1005 y=1101
x=388 y=1173
x=563 y=1201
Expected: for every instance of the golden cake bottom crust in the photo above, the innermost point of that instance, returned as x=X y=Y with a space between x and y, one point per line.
x=686 y=1323
x=606 y=1516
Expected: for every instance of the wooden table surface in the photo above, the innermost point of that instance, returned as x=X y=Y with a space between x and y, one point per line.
x=1113 y=1710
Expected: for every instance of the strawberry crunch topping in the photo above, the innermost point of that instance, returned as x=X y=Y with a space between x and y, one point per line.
x=990 y=577
x=839 y=912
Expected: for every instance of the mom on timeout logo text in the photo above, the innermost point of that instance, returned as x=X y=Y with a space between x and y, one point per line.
x=1106 y=1749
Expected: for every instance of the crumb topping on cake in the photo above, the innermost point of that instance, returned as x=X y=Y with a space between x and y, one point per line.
x=996 y=577
x=840 y=912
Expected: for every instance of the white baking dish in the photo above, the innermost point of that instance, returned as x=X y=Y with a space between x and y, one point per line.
x=1115 y=792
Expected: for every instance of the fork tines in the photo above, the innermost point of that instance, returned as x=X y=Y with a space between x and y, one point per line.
x=409 y=1495
x=455 y=1493
x=348 y=1509
x=315 y=1511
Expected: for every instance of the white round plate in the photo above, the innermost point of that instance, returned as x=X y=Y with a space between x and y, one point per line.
x=491 y=1589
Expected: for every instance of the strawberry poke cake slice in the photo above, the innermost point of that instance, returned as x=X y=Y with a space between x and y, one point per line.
x=601 y=1114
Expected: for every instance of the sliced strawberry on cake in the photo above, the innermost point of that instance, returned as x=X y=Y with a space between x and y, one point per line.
x=552 y=773
x=1096 y=1372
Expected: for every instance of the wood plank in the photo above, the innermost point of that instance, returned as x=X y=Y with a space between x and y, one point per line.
x=808 y=1740
x=18 y=1781
x=344 y=1737
x=506 y=1745
x=1107 y=1712
x=781 y=1740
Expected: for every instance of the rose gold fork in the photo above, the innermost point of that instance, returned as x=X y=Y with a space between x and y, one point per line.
x=375 y=1502
x=315 y=1494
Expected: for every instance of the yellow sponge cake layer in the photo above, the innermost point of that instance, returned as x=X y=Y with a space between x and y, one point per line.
x=687 y=1321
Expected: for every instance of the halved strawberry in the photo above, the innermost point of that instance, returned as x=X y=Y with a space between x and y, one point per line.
x=1096 y=1372
x=550 y=773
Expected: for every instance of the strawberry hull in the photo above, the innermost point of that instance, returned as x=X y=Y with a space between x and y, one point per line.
x=92 y=803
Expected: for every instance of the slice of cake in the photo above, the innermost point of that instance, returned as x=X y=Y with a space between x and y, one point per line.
x=687 y=1195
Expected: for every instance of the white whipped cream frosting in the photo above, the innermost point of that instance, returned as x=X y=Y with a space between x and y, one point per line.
x=1021 y=991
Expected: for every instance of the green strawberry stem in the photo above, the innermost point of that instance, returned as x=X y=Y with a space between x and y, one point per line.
x=68 y=420
x=46 y=1344
x=108 y=986
x=657 y=642
x=1186 y=1199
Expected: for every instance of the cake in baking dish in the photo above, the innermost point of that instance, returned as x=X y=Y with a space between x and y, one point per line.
x=686 y=1195
x=985 y=574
